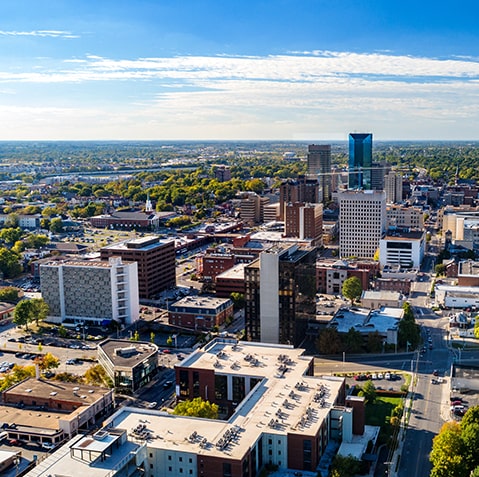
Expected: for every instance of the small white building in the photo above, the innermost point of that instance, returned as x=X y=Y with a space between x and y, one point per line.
x=449 y=296
x=405 y=249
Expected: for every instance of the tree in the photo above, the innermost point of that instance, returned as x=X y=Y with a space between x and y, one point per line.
x=97 y=376
x=12 y=220
x=440 y=269
x=39 y=310
x=9 y=263
x=47 y=361
x=169 y=341
x=9 y=294
x=368 y=392
x=345 y=466
x=238 y=300
x=135 y=336
x=11 y=235
x=22 y=313
x=56 y=225
x=329 y=341
x=375 y=342
x=352 y=289
x=447 y=452
x=152 y=337
x=353 y=341
x=198 y=408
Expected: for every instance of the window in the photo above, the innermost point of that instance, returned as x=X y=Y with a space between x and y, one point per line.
x=169 y=468
x=169 y=457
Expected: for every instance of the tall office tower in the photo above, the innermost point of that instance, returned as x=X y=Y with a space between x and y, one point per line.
x=319 y=163
x=91 y=291
x=362 y=222
x=393 y=187
x=304 y=221
x=302 y=189
x=252 y=208
x=280 y=294
x=378 y=173
x=156 y=260
x=360 y=160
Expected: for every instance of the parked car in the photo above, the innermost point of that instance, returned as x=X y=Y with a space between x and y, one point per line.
x=47 y=445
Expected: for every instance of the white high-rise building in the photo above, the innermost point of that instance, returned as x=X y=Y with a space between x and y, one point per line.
x=362 y=222
x=79 y=291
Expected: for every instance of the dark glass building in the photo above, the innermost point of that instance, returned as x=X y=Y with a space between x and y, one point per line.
x=360 y=161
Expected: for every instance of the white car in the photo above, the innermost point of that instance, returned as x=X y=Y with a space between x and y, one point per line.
x=47 y=445
x=152 y=405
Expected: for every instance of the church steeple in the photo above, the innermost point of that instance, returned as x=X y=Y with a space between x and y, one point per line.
x=148 y=206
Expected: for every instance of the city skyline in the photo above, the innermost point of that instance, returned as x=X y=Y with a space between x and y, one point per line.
x=207 y=70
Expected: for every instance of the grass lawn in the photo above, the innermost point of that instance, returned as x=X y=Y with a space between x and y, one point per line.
x=378 y=414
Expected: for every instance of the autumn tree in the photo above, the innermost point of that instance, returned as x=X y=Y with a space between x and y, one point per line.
x=352 y=289
x=97 y=376
x=447 y=452
x=9 y=263
x=39 y=309
x=47 y=361
x=197 y=407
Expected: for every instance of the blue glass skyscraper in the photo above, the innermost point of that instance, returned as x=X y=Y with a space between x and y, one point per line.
x=360 y=160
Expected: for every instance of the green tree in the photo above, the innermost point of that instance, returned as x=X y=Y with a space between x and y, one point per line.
x=408 y=330
x=197 y=408
x=135 y=336
x=353 y=341
x=12 y=220
x=238 y=300
x=345 y=466
x=56 y=225
x=22 y=313
x=152 y=337
x=9 y=294
x=11 y=235
x=329 y=341
x=368 y=391
x=36 y=241
x=169 y=341
x=447 y=452
x=374 y=342
x=39 y=310
x=440 y=269
x=62 y=331
x=352 y=289
x=9 y=263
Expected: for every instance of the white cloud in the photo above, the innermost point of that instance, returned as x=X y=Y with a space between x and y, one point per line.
x=282 y=96
x=40 y=33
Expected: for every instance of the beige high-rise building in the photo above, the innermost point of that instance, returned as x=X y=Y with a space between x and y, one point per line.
x=362 y=222
x=393 y=187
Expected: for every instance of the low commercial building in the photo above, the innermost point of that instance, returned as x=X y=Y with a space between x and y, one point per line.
x=450 y=296
x=385 y=321
x=44 y=411
x=200 y=312
x=331 y=274
x=231 y=281
x=373 y=299
x=129 y=364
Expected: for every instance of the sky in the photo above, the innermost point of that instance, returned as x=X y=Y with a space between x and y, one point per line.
x=304 y=70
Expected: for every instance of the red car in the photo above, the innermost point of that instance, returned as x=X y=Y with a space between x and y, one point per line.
x=14 y=442
x=166 y=351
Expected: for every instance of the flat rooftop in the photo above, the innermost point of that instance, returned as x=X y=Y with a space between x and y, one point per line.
x=381 y=295
x=285 y=401
x=41 y=422
x=236 y=272
x=469 y=268
x=365 y=320
x=125 y=353
x=200 y=302
x=141 y=244
x=58 y=390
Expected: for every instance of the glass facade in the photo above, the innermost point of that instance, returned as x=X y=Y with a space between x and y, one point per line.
x=360 y=160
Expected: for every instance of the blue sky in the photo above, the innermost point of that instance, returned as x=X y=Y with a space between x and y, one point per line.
x=308 y=70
